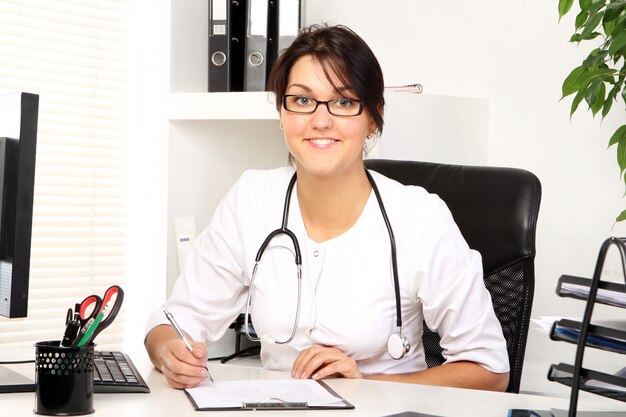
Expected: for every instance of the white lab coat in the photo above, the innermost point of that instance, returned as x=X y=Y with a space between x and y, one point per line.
x=347 y=284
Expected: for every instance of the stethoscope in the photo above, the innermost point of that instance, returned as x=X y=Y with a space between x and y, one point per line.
x=397 y=344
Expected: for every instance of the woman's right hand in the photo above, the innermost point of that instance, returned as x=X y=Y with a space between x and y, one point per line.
x=181 y=368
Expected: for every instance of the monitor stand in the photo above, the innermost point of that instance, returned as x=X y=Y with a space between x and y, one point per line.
x=11 y=381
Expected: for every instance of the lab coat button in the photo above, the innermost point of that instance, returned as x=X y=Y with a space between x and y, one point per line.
x=316 y=253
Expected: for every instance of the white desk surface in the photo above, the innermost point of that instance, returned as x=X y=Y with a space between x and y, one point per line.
x=371 y=398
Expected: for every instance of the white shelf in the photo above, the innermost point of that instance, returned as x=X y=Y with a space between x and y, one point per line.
x=222 y=106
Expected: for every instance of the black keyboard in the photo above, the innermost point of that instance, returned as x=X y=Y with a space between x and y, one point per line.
x=115 y=372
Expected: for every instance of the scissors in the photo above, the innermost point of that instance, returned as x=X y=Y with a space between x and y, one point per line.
x=96 y=314
x=88 y=310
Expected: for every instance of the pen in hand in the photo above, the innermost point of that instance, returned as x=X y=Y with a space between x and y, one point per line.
x=176 y=327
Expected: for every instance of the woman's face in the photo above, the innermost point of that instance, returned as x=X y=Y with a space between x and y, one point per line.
x=321 y=143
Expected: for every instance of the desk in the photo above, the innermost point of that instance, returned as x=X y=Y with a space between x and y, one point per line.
x=371 y=398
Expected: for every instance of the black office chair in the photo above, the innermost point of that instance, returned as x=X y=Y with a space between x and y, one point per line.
x=496 y=210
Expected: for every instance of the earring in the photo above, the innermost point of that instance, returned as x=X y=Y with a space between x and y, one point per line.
x=280 y=125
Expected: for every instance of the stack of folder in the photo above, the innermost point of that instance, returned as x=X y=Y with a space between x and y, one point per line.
x=245 y=38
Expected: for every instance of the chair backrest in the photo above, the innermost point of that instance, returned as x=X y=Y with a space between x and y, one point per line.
x=496 y=210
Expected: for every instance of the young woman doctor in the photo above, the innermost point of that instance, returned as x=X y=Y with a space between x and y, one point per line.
x=337 y=311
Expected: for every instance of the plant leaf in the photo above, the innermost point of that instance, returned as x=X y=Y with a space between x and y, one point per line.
x=579 y=97
x=621 y=217
x=620 y=25
x=592 y=76
x=575 y=38
x=619 y=134
x=608 y=103
x=616 y=5
x=564 y=7
x=618 y=43
x=599 y=72
x=591 y=94
x=572 y=81
x=591 y=36
x=596 y=56
x=621 y=155
x=596 y=5
x=606 y=107
x=598 y=100
x=591 y=25
x=581 y=19
x=613 y=10
x=608 y=27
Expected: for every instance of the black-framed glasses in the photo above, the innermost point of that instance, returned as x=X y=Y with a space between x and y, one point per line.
x=342 y=106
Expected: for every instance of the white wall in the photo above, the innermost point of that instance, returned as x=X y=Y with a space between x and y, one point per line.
x=434 y=128
x=147 y=152
x=514 y=54
x=205 y=159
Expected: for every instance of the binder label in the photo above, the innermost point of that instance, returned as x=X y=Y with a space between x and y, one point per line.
x=218 y=11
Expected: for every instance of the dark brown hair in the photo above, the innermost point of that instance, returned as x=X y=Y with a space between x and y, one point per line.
x=341 y=52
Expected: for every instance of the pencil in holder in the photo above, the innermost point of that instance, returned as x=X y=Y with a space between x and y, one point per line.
x=64 y=378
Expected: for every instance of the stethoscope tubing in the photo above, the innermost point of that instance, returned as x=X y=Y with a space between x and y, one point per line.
x=298 y=260
x=392 y=242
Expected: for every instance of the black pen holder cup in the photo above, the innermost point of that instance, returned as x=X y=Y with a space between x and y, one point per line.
x=64 y=377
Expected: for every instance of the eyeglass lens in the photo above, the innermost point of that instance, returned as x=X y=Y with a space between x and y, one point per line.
x=339 y=107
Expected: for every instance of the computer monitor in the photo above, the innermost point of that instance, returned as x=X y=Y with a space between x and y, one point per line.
x=18 y=139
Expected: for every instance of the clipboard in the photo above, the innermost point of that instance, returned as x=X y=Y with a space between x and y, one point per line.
x=199 y=397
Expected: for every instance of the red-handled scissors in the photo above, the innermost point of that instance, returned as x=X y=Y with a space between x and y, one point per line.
x=89 y=309
x=98 y=313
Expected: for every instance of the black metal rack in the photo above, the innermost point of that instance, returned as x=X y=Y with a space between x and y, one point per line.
x=584 y=334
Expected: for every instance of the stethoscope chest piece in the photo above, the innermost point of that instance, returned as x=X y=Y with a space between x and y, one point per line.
x=397 y=345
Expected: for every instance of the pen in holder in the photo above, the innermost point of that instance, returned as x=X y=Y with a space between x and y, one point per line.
x=64 y=378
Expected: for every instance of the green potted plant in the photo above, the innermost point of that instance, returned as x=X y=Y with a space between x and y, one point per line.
x=599 y=80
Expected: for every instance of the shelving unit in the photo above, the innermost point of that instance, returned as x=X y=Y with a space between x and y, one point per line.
x=222 y=106
x=584 y=334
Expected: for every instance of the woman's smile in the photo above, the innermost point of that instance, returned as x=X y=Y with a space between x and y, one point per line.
x=322 y=143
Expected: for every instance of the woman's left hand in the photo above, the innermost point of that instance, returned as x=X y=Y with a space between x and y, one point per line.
x=319 y=362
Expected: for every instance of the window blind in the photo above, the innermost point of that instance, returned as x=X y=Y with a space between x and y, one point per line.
x=74 y=54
